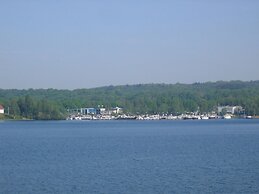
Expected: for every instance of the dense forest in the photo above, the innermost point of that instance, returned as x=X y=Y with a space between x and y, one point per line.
x=141 y=98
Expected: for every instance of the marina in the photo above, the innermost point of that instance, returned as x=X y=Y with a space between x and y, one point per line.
x=155 y=117
x=223 y=112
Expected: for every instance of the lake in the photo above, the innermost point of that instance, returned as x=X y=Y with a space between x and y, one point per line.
x=202 y=156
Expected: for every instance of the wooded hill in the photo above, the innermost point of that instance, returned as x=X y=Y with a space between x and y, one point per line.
x=141 y=98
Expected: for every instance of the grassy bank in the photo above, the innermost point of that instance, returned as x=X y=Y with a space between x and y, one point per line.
x=11 y=117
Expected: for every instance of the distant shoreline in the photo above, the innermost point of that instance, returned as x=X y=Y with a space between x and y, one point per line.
x=123 y=119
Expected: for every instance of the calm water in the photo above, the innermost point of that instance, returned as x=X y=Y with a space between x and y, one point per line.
x=220 y=156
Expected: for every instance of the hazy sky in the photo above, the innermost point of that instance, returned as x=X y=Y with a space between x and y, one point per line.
x=90 y=43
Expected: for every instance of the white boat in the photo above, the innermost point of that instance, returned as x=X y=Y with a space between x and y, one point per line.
x=204 y=117
x=227 y=116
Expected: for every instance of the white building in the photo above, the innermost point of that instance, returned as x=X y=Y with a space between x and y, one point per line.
x=117 y=110
x=1 y=109
x=229 y=109
x=101 y=111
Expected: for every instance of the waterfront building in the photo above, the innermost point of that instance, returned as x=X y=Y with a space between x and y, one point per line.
x=229 y=109
x=88 y=111
x=117 y=110
x=100 y=111
x=1 y=109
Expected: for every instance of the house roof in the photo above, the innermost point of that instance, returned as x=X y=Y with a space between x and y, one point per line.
x=1 y=107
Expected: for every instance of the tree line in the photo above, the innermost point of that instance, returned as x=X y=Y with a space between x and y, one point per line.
x=31 y=108
x=142 y=98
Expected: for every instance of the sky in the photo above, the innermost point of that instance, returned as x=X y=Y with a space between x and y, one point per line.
x=69 y=44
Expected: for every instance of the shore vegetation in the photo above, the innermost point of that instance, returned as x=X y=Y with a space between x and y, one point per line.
x=50 y=104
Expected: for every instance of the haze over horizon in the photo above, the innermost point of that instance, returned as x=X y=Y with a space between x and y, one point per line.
x=133 y=84
x=86 y=44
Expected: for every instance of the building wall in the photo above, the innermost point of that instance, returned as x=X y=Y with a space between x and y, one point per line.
x=1 y=111
x=87 y=111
